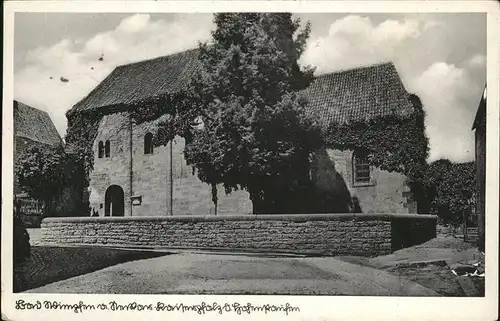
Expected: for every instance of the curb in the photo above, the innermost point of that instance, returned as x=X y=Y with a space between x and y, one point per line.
x=170 y=251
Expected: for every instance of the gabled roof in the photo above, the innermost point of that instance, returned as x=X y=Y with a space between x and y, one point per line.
x=359 y=94
x=34 y=124
x=142 y=80
x=344 y=96
x=481 y=112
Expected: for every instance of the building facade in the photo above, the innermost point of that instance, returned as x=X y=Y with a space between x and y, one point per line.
x=131 y=177
x=479 y=126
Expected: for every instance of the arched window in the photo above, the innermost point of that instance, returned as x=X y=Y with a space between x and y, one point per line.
x=100 y=151
x=107 y=148
x=361 y=168
x=148 y=143
x=188 y=138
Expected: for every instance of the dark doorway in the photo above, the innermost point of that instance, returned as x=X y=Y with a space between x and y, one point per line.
x=114 y=201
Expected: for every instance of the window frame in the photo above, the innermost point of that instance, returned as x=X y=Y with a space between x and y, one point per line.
x=148 y=144
x=361 y=159
x=100 y=149
x=107 y=149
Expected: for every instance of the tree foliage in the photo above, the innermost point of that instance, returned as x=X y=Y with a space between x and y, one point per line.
x=255 y=133
x=44 y=172
x=450 y=187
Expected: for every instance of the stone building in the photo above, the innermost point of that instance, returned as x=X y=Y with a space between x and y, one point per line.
x=133 y=178
x=479 y=126
x=31 y=127
x=351 y=96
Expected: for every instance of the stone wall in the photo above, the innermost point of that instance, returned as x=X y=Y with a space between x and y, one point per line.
x=319 y=234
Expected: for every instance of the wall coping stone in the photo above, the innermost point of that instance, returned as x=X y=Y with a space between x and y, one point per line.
x=253 y=217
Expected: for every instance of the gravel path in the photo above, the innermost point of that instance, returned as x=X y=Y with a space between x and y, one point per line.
x=434 y=261
x=449 y=249
x=235 y=274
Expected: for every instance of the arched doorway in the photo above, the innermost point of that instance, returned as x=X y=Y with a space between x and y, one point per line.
x=114 y=204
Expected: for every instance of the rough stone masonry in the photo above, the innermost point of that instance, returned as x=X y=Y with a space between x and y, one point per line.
x=315 y=234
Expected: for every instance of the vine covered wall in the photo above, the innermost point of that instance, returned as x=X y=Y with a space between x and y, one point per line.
x=394 y=143
x=80 y=135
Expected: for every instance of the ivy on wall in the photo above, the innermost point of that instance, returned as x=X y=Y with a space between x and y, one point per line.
x=394 y=143
x=83 y=129
x=172 y=114
x=80 y=136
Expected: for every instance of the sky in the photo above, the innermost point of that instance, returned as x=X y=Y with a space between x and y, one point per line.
x=61 y=57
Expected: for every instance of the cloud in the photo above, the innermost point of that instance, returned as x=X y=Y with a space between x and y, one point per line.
x=477 y=61
x=445 y=91
x=354 y=40
x=134 y=23
x=136 y=38
x=431 y=24
x=449 y=92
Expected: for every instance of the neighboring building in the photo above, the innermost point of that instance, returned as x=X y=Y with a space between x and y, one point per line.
x=479 y=126
x=31 y=127
x=131 y=177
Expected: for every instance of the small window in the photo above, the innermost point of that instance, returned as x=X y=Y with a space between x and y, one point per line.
x=107 y=148
x=148 y=143
x=101 y=149
x=361 y=168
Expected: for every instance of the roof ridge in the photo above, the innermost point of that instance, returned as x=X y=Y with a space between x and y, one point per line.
x=34 y=124
x=339 y=71
x=157 y=58
x=28 y=106
x=120 y=68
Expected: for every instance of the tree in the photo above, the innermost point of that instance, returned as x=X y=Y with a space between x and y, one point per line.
x=450 y=188
x=43 y=172
x=255 y=133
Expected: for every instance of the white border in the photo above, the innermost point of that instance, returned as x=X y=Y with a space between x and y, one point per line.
x=312 y=308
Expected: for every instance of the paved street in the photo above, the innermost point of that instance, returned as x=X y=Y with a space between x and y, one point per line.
x=238 y=274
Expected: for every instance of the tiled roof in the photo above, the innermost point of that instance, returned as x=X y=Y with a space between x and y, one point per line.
x=34 y=124
x=344 y=96
x=359 y=94
x=138 y=81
